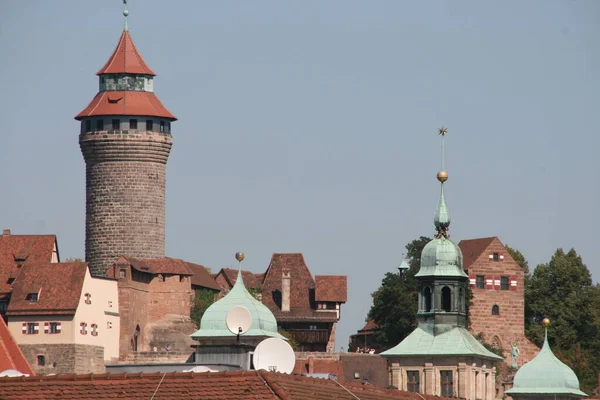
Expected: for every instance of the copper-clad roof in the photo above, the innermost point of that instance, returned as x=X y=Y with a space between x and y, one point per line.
x=11 y=356
x=58 y=286
x=126 y=103
x=331 y=288
x=125 y=59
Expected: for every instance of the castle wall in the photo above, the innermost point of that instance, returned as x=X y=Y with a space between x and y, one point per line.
x=69 y=358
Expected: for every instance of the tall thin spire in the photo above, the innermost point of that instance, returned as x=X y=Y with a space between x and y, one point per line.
x=125 y=14
x=441 y=219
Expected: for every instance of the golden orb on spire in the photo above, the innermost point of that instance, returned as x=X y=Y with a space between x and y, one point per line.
x=442 y=176
x=239 y=256
x=545 y=322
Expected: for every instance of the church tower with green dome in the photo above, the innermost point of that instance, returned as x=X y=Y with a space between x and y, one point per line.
x=217 y=345
x=441 y=357
x=545 y=377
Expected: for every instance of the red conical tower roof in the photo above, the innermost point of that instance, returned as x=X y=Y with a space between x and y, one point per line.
x=126 y=59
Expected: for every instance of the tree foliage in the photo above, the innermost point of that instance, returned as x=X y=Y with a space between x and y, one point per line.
x=71 y=259
x=394 y=307
x=291 y=341
x=562 y=291
x=202 y=300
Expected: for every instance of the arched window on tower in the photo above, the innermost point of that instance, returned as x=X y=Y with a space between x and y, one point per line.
x=427 y=299
x=446 y=299
x=495 y=309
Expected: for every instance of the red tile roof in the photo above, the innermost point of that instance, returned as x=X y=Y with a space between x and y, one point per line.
x=11 y=356
x=331 y=288
x=28 y=248
x=58 y=286
x=202 y=278
x=251 y=280
x=472 y=249
x=125 y=59
x=189 y=385
x=164 y=265
x=125 y=103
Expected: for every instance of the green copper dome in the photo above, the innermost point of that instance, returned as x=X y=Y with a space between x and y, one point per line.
x=213 y=322
x=546 y=374
x=441 y=257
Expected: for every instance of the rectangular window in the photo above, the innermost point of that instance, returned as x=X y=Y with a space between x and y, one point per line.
x=83 y=328
x=133 y=124
x=88 y=125
x=32 y=297
x=116 y=125
x=54 y=327
x=413 y=381
x=88 y=298
x=496 y=257
x=446 y=384
x=480 y=281
x=122 y=274
x=94 y=330
x=162 y=126
x=31 y=328
x=149 y=124
x=100 y=125
x=504 y=283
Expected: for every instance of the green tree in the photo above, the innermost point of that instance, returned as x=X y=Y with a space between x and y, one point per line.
x=520 y=259
x=71 y=259
x=202 y=300
x=291 y=341
x=562 y=291
x=394 y=307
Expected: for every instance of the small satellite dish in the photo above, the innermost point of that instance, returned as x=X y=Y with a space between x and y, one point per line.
x=200 y=368
x=11 y=373
x=239 y=320
x=274 y=354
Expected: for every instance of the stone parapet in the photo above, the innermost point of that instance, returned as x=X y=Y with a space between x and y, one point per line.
x=64 y=358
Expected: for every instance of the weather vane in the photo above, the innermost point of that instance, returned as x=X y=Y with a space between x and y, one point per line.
x=125 y=13
x=442 y=132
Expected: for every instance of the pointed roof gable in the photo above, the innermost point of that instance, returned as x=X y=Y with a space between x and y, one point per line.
x=201 y=277
x=472 y=249
x=11 y=356
x=126 y=59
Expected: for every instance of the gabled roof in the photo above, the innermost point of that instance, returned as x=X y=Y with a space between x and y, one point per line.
x=11 y=356
x=472 y=249
x=163 y=265
x=456 y=342
x=201 y=277
x=125 y=59
x=189 y=385
x=125 y=103
x=58 y=286
x=27 y=249
x=331 y=288
x=230 y=275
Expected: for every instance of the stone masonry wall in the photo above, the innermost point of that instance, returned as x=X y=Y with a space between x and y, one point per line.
x=69 y=358
x=125 y=196
x=171 y=296
x=509 y=326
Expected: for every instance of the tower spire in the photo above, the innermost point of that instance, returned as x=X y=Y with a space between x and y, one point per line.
x=441 y=219
x=125 y=14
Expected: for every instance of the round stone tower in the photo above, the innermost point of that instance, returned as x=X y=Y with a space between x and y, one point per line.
x=125 y=139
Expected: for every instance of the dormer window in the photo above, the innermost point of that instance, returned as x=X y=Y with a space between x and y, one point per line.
x=32 y=297
x=88 y=298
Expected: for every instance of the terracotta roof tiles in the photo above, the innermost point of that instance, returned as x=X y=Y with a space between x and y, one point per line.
x=125 y=59
x=26 y=248
x=201 y=277
x=472 y=249
x=125 y=103
x=250 y=280
x=164 y=265
x=255 y=385
x=331 y=288
x=11 y=356
x=58 y=286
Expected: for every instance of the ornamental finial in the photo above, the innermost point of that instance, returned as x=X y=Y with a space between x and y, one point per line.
x=125 y=14
x=442 y=214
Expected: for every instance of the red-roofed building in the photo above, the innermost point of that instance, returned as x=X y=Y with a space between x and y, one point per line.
x=498 y=306
x=227 y=277
x=248 y=385
x=154 y=299
x=363 y=339
x=17 y=251
x=125 y=138
x=64 y=320
x=11 y=356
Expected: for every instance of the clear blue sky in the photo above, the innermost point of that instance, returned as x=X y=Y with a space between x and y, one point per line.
x=311 y=126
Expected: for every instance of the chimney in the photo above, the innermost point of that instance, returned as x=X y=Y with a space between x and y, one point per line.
x=6 y=232
x=285 y=290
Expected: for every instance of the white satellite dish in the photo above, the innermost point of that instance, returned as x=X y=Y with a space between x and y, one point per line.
x=239 y=320
x=200 y=368
x=274 y=354
x=12 y=373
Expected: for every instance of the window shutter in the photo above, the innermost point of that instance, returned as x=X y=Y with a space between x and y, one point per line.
x=46 y=327
x=83 y=329
x=58 y=328
x=513 y=283
x=491 y=257
x=501 y=257
x=496 y=283
x=472 y=280
x=36 y=328
x=24 y=328
x=489 y=282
